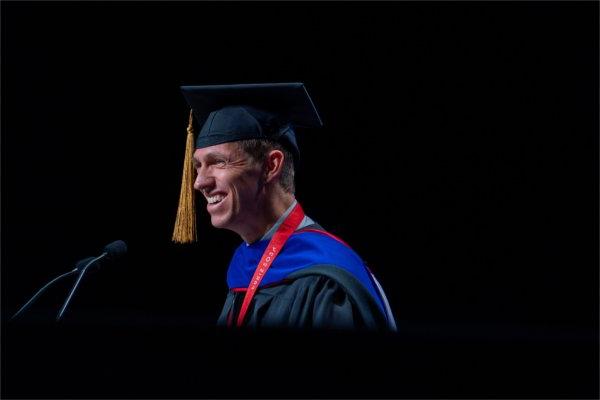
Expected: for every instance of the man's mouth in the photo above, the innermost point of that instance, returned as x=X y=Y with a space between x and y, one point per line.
x=214 y=200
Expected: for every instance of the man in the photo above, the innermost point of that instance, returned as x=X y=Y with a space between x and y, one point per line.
x=288 y=272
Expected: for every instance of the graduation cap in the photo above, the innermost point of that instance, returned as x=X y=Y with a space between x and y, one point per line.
x=229 y=113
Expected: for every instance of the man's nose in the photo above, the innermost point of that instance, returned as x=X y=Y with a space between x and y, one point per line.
x=203 y=181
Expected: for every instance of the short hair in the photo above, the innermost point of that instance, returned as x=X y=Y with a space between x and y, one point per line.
x=258 y=149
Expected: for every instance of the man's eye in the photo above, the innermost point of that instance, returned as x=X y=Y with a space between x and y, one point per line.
x=220 y=163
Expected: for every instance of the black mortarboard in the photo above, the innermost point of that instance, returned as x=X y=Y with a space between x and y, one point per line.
x=228 y=113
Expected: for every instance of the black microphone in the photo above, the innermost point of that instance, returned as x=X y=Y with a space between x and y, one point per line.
x=111 y=252
x=115 y=250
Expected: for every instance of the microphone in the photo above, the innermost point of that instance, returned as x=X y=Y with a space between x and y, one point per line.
x=111 y=252
x=116 y=249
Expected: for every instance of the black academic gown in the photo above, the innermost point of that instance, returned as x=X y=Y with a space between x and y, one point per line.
x=320 y=297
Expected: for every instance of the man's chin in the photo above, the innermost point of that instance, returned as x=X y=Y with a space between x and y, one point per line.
x=219 y=223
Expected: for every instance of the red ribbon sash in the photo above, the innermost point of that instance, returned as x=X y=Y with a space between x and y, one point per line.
x=288 y=227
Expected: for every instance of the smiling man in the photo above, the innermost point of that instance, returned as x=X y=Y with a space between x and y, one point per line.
x=288 y=272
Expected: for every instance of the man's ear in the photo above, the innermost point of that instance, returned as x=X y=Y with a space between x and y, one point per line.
x=274 y=165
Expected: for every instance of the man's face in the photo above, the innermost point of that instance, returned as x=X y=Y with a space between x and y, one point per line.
x=230 y=180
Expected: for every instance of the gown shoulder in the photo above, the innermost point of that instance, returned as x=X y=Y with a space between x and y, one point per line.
x=319 y=297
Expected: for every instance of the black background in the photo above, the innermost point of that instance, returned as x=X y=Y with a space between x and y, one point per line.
x=458 y=157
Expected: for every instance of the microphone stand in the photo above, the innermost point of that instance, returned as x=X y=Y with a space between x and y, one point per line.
x=83 y=270
x=39 y=292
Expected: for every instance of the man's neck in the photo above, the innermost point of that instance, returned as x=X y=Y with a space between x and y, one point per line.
x=272 y=211
x=271 y=231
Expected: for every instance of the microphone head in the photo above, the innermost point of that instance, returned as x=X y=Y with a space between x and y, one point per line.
x=116 y=249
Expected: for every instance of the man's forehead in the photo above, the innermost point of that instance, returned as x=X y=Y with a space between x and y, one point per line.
x=223 y=149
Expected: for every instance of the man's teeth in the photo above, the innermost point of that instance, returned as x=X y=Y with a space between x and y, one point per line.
x=215 y=199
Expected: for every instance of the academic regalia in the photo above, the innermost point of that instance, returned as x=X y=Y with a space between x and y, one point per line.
x=310 y=301
x=316 y=282
x=315 y=279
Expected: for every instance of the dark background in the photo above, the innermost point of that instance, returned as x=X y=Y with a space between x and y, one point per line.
x=458 y=157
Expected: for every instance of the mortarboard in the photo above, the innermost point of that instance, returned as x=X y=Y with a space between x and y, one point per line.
x=229 y=113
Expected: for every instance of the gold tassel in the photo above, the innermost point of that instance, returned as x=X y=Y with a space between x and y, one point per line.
x=185 y=224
